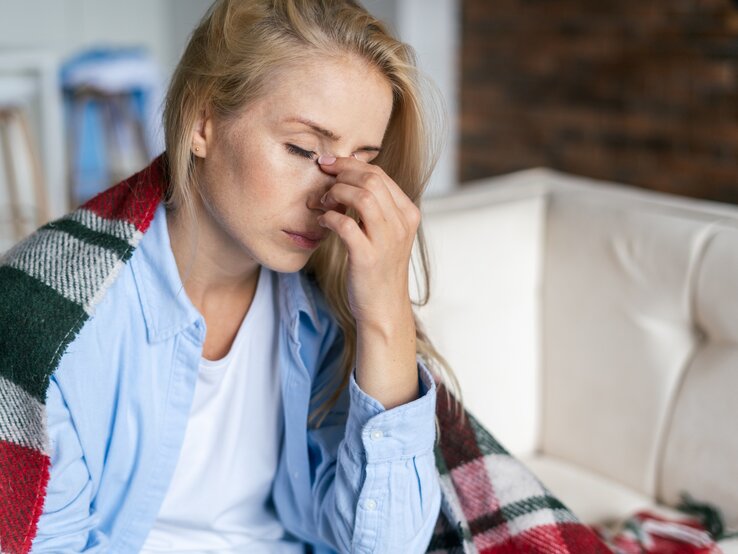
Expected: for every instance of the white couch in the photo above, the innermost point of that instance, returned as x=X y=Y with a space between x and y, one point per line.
x=594 y=329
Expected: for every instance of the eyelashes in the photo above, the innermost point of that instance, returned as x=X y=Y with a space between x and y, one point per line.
x=309 y=154
x=292 y=149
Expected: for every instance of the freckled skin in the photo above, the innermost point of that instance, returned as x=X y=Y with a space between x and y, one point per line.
x=255 y=188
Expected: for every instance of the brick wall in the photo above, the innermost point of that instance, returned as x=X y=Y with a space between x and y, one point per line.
x=638 y=91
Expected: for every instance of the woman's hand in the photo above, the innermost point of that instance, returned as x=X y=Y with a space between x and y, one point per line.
x=379 y=249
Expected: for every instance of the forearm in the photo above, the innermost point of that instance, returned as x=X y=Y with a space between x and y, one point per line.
x=386 y=367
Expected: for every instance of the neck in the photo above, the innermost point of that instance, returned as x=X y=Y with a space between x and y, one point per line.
x=213 y=270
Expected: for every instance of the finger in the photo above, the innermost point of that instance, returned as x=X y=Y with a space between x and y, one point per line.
x=361 y=183
x=376 y=184
x=348 y=230
x=406 y=216
x=366 y=205
x=337 y=165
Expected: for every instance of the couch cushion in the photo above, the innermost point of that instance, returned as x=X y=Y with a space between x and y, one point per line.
x=596 y=499
x=729 y=546
x=592 y=497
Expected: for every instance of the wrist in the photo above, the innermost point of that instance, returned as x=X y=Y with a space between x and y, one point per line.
x=390 y=324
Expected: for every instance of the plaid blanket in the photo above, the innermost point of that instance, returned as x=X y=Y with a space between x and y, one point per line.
x=646 y=532
x=50 y=284
x=496 y=504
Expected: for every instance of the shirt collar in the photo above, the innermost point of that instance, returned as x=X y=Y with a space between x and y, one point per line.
x=297 y=296
x=167 y=309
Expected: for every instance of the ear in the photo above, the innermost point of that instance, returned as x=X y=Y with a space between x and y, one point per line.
x=202 y=135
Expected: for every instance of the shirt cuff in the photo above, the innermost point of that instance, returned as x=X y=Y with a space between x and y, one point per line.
x=401 y=432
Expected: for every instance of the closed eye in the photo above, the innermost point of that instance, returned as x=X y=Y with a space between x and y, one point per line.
x=292 y=149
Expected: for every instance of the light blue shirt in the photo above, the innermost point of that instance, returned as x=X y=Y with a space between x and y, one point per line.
x=117 y=406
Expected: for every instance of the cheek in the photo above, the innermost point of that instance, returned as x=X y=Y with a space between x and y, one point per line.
x=267 y=185
x=251 y=182
x=265 y=180
x=282 y=182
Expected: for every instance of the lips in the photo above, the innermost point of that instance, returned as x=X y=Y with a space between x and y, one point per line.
x=310 y=235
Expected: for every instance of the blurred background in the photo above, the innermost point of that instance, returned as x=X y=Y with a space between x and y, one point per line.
x=644 y=93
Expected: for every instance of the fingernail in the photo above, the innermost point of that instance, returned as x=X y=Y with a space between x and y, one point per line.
x=322 y=198
x=326 y=160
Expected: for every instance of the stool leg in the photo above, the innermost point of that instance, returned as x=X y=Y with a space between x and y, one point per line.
x=113 y=144
x=6 y=118
x=74 y=129
x=139 y=133
x=39 y=188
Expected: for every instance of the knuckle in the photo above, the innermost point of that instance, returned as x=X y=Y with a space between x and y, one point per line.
x=365 y=199
x=370 y=180
x=377 y=170
x=346 y=225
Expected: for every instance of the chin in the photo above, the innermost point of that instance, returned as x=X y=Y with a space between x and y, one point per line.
x=287 y=264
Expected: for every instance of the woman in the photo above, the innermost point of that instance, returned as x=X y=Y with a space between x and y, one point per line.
x=253 y=378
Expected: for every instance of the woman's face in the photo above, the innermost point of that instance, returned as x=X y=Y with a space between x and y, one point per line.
x=258 y=172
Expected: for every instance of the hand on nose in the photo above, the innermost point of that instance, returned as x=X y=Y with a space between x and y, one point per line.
x=315 y=202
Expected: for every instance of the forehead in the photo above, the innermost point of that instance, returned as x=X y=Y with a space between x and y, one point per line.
x=346 y=96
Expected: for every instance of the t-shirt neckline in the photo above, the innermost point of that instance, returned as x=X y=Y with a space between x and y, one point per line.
x=220 y=364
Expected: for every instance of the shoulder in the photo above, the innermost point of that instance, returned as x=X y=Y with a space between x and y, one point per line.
x=48 y=284
x=52 y=281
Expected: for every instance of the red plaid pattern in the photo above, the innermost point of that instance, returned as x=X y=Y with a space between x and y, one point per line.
x=497 y=505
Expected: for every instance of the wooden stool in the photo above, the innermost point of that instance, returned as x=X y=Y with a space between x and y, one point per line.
x=116 y=115
x=110 y=102
x=14 y=121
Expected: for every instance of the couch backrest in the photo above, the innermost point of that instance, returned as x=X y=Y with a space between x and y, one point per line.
x=485 y=253
x=606 y=313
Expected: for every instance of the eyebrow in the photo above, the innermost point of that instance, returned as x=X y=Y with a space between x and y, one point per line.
x=330 y=135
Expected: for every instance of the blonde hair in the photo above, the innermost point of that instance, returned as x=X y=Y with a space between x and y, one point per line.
x=226 y=65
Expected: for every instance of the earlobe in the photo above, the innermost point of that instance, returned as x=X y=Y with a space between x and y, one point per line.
x=200 y=136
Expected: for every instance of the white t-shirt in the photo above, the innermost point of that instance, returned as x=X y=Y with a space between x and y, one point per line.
x=219 y=499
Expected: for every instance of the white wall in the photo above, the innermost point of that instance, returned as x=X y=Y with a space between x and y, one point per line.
x=66 y=26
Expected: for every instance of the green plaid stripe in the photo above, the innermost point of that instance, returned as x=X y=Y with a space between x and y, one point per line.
x=30 y=310
x=122 y=249
x=511 y=511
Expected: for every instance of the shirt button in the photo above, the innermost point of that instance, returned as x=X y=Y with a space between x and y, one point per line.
x=370 y=504
x=376 y=434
